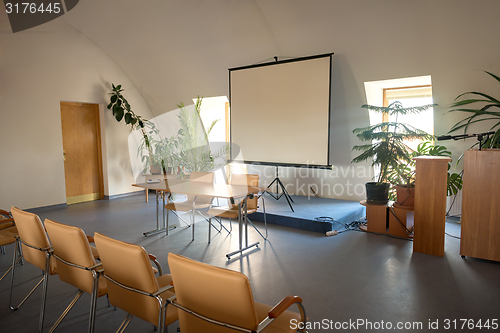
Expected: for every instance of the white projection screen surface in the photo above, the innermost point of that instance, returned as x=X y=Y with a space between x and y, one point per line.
x=280 y=112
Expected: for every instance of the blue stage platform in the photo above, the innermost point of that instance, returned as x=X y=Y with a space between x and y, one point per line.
x=306 y=209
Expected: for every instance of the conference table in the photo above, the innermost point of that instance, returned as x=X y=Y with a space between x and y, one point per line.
x=198 y=189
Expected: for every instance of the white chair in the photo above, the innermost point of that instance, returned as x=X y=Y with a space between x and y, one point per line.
x=193 y=203
x=231 y=211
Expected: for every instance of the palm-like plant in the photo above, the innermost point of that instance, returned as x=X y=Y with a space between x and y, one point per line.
x=387 y=148
x=194 y=149
x=480 y=107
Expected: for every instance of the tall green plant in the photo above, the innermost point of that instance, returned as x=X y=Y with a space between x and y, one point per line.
x=479 y=107
x=194 y=149
x=405 y=174
x=122 y=110
x=386 y=147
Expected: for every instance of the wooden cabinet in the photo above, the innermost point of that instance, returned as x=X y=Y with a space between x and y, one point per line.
x=480 y=236
x=430 y=204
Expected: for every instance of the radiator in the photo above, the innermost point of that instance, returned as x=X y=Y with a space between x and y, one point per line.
x=456 y=209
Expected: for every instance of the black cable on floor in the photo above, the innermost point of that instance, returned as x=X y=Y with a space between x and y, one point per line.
x=354 y=225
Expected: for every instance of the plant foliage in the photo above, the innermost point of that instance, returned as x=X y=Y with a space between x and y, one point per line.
x=387 y=148
x=194 y=152
x=479 y=107
x=405 y=174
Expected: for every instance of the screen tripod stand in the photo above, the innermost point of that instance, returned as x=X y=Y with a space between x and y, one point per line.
x=277 y=195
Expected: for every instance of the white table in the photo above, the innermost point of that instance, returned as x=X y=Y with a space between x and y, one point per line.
x=198 y=189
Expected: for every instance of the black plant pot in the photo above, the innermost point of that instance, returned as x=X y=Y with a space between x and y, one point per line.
x=377 y=193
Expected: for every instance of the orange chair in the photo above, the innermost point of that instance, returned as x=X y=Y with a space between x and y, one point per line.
x=218 y=300
x=132 y=285
x=8 y=234
x=36 y=250
x=76 y=266
x=231 y=212
x=193 y=203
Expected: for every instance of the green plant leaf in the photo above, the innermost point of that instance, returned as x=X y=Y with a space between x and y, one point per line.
x=128 y=118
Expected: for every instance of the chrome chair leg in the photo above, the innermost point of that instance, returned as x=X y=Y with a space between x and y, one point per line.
x=15 y=261
x=44 y=290
x=14 y=308
x=253 y=225
x=180 y=218
x=125 y=323
x=10 y=268
x=209 y=229
x=66 y=311
x=93 y=300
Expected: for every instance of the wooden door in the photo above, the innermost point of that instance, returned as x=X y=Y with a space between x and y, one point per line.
x=82 y=152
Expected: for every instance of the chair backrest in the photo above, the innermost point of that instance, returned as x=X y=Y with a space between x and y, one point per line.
x=202 y=177
x=248 y=180
x=70 y=244
x=32 y=232
x=213 y=292
x=6 y=221
x=129 y=265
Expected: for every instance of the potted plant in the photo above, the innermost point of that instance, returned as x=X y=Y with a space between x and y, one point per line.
x=162 y=157
x=403 y=178
x=122 y=110
x=386 y=147
x=480 y=107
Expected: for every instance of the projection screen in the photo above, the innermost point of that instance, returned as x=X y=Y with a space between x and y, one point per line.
x=280 y=112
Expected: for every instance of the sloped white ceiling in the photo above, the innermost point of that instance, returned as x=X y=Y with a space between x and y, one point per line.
x=175 y=50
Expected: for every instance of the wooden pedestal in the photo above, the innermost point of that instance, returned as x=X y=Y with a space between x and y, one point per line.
x=386 y=219
x=430 y=204
x=480 y=206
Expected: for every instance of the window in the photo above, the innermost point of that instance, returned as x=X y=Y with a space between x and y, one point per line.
x=408 y=97
x=412 y=91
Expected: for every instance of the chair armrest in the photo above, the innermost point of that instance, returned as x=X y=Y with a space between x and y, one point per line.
x=5 y=213
x=7 y=218
x=279 y=308
x=162 y=290
x=90 y=239
x=152 y=257
x=284 y=304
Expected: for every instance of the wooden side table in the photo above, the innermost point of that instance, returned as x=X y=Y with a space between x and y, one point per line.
x=390 y=219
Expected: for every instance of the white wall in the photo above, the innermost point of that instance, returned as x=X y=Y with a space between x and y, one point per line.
x=174 y=50
x=40 y=68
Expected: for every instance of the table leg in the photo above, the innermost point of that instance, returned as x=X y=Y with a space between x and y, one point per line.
x=158 y=228
x=242 y=214
x=192 y=215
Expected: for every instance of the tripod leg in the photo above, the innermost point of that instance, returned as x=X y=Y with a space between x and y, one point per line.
x=287 y=196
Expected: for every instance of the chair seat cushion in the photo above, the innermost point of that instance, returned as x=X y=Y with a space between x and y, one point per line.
x=8 y=236
x=229 y=212
x=5 y=222
x=280 y=324
x=185 y=206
